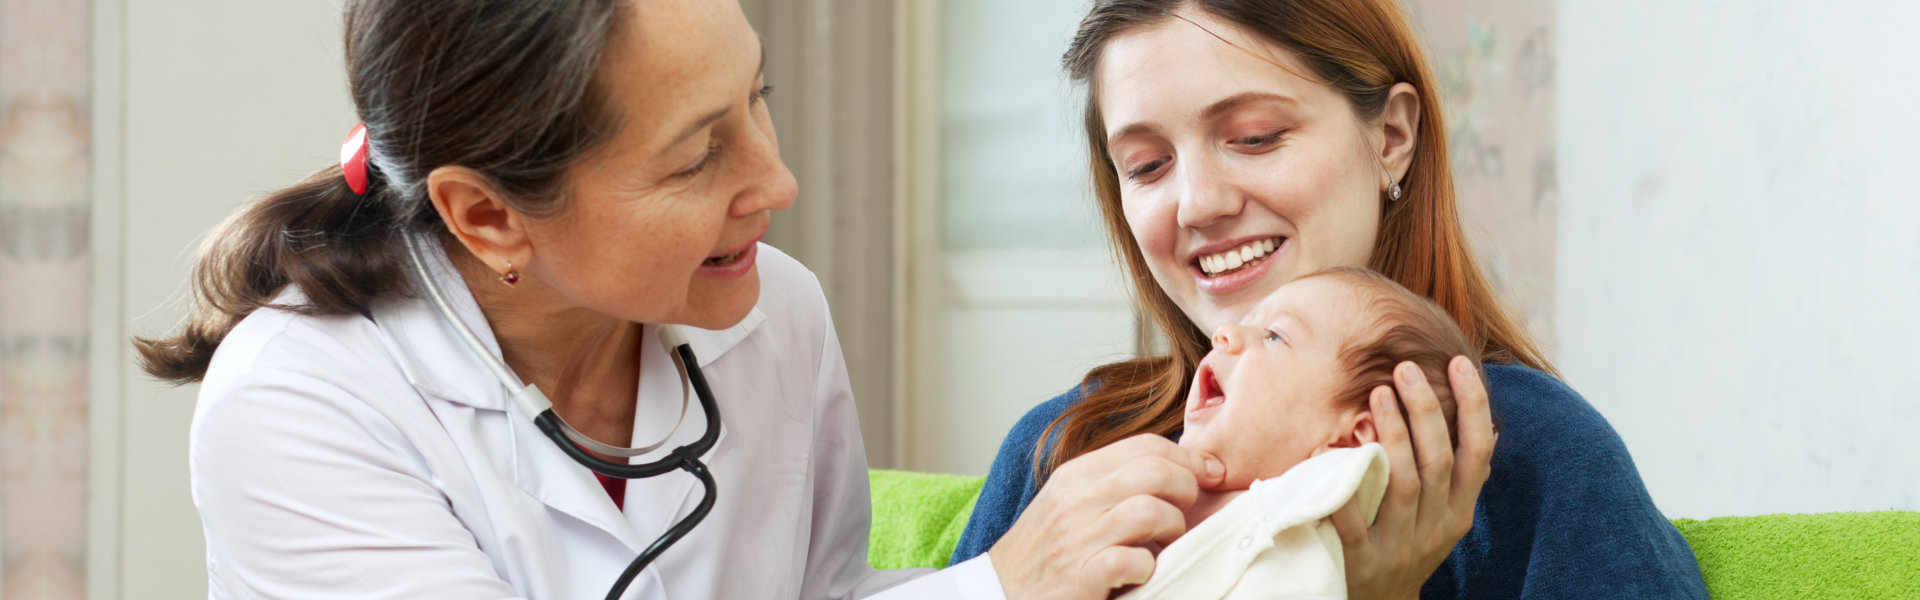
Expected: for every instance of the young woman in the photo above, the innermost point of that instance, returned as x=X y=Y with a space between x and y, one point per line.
x=1237 y=144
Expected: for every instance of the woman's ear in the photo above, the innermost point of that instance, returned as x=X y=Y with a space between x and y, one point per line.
x=477 y=215
x=1400 y=131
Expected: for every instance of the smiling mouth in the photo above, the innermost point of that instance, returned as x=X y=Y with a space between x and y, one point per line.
x=1239 y=257
x=721 y=261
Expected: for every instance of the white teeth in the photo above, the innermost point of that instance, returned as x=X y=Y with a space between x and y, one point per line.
x=1245 y=254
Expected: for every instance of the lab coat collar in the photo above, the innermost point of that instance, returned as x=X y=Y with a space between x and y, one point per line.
x=437 y=362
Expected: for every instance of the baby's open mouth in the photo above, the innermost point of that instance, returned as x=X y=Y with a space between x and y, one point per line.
x=1239 y=257
x=1209 y=394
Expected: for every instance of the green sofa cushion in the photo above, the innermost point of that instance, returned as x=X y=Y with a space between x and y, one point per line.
x=1822 y=555
x=918 y=518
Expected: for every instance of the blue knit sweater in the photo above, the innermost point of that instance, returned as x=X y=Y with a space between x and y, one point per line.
x=1564 y=514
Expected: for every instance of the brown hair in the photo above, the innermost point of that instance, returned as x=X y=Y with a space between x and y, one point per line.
x=1401 y=327
x=508 y=89
x=1361 y=48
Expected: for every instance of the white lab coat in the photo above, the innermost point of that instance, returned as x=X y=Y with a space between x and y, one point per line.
x=356 y=457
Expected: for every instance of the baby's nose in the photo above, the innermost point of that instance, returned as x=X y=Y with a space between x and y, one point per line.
x=1228 y=338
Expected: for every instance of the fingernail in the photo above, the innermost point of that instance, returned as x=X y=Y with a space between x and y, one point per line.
x=1463 y=367
x=1215 y=469
x=1410 y=375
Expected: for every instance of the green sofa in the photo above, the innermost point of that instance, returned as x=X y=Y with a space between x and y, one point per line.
x=918 y=517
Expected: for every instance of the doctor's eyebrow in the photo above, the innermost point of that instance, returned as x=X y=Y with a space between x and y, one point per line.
x=717 y=114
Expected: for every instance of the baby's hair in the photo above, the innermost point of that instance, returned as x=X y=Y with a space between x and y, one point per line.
x=1402 y=326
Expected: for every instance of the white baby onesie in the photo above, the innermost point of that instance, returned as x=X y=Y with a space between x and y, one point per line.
x=1274 y=541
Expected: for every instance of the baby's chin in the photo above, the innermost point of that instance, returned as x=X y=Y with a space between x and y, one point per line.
x=1194 y=437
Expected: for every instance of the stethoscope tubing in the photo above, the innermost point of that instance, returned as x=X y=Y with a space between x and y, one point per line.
x=686 y=457
x=683 y=458
x=549 y=424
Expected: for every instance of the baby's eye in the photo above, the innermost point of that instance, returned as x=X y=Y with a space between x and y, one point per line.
x=1274 y=336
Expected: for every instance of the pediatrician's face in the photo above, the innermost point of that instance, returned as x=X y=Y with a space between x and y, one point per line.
x=663 y=219
x=1236 y=175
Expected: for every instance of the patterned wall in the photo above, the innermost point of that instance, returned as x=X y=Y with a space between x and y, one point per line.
x=1495 y=60
x=44 y=285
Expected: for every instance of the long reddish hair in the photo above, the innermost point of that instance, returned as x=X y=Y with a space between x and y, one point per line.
x=1361 y=48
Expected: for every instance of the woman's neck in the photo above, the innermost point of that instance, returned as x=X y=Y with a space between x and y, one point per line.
x=586 y=362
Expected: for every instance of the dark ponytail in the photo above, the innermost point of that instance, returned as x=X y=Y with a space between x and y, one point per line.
x=507 y=88
x=317 y=235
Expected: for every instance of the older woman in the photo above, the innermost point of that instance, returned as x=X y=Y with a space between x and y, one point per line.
x=1237 y=144
x=540 y=191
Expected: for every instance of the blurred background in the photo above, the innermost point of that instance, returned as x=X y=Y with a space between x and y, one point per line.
x=1704 y=207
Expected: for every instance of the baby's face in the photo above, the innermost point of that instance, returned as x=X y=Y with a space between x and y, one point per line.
x=1263 y=400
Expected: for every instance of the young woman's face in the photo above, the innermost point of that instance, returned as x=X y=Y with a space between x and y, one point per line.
x=1236 y=175
x=663 y=219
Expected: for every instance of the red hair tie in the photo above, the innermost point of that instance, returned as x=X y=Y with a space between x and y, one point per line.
x=353 y=158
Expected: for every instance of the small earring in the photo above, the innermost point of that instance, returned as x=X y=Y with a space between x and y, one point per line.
x=1393 y=192
x=511 y=276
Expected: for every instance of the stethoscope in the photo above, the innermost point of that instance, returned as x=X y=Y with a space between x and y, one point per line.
x=535 y=405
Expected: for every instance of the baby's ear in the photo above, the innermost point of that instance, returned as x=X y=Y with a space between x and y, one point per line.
x=1357 y=430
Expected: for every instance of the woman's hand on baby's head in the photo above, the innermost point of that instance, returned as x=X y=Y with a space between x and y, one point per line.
x=1432 y=486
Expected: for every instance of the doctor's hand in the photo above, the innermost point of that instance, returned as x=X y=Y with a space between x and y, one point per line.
x=1431 y=487
x=1096 y=523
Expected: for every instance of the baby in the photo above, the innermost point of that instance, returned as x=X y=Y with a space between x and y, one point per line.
x=1282 y=401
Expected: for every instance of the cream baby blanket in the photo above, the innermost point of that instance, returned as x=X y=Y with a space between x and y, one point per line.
x=1274 y=541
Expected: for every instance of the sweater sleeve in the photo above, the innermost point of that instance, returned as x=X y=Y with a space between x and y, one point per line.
x=1564 y=514
x=1010 y=483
